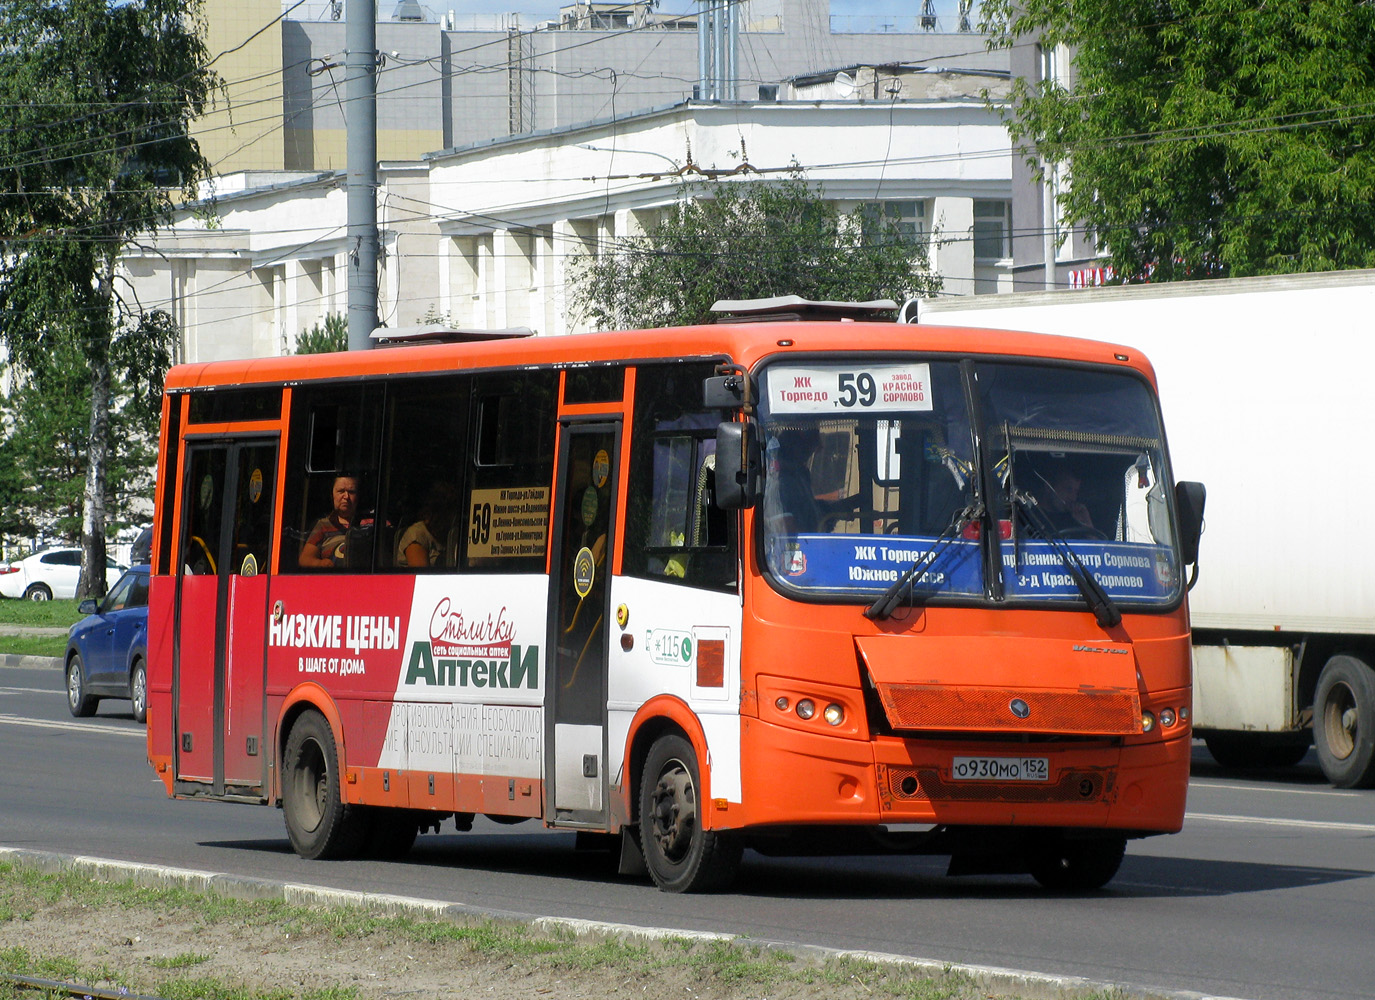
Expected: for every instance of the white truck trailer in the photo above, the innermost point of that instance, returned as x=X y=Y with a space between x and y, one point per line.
x=1268 y=390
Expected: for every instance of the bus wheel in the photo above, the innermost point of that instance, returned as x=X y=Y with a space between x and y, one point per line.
x=318 y=822
x=680 y=855
x=1344 y=722
x=1065 y=865
x=391 y=833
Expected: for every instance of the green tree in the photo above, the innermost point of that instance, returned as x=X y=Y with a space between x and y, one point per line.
x=324 y=338
x=745 y=240
x=44 y=452
x=95 y=101
x=1206 y=137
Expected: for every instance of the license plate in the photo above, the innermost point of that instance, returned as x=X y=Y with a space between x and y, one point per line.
x=1000 y=768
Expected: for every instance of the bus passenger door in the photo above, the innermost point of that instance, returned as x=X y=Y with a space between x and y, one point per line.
x=575 y=736
x=221 y=615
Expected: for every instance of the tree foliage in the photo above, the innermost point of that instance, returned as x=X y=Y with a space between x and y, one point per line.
x=324 y=338
x=744 y=240
x=1207 y=137
x=44 y=454
x=96 y=97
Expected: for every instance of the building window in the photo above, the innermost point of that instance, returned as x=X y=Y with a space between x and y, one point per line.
x=899 y=221
x=992 y=230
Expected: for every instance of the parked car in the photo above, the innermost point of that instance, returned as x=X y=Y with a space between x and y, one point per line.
x=107 y=651
x=141 y=551
x=46 y=575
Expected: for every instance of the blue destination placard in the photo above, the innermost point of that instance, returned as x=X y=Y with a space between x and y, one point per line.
x=868 y=562
x=849 y=563
x=1125 y=570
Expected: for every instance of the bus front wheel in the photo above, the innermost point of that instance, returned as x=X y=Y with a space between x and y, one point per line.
x=680 y=855
x=1062 y=864
x=1344 y=722
x=318 y=822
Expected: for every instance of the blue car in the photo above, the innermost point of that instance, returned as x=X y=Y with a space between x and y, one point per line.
x=107 y=651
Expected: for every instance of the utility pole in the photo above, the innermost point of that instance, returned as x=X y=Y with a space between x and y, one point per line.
x=360 y=93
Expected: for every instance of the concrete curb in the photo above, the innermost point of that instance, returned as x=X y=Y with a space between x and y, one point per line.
x=989 y=979
x=30 y=662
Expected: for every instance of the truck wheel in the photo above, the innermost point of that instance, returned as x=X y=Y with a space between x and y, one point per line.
x=1344 y=722
x=1064 y=865
x=1257 y=750
x=680 y=855
x=318 y=822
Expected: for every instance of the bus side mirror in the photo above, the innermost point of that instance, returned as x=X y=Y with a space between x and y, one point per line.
x=738 y=465
x=1188 y=500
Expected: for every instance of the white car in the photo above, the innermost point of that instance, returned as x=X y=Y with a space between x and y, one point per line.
x=46 y=575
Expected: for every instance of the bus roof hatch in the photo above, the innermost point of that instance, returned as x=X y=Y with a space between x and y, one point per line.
x=784 y=308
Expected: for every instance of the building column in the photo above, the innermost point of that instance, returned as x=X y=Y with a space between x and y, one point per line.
x=952 y=252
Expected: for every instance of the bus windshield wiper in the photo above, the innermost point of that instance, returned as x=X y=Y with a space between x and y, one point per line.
x=903 y=586
x=1095 y=596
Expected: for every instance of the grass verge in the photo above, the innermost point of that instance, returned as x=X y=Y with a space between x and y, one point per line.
x=33 y=645
x=480 y=950
x=39 y=614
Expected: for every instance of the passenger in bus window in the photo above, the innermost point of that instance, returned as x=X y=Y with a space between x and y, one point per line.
x=324 y=546
x=424 y=543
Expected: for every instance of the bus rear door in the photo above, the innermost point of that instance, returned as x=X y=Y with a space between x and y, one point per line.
x=221 y=614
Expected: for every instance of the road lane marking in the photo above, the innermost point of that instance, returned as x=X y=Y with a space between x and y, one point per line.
x=16 y=690
x=1302 y=824
x=82 y=727
x=1271 y=788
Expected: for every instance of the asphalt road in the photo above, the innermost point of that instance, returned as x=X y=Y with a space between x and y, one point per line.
x=1267 y=893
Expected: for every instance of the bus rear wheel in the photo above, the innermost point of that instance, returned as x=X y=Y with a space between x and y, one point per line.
x=1062 y=864
x=680 y=855
x=1344 y=722
x=318 y=822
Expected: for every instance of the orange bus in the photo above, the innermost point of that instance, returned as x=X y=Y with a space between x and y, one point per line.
x=803 y=586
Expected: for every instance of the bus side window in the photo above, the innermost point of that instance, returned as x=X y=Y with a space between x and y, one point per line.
x=674 y=530
x=334 y=436
x=421 y=494
x=505 y=511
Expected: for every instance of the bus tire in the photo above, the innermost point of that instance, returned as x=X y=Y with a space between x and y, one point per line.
x=1065 y=865
x=318 y=821
x=1344 y=722
x=1244 y=751
x=680 y=855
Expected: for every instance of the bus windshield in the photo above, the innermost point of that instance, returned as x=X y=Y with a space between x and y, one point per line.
x=875 y=478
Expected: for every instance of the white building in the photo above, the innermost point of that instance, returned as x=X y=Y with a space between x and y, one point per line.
x=481 y=235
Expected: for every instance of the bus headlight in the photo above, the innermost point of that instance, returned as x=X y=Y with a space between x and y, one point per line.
x=1147 y=722
x=1167 y=718
x=834 y=714
x=806 y=708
